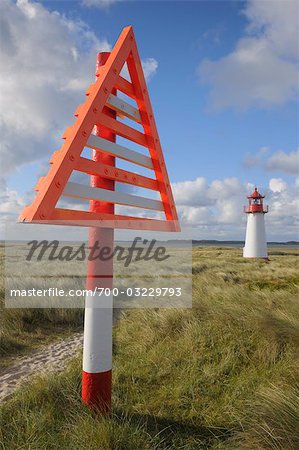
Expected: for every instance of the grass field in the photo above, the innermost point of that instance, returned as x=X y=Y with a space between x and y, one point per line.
x=24 y=329
x=222 y=375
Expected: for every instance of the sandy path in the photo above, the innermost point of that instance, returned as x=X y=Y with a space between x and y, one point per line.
x=51 y=358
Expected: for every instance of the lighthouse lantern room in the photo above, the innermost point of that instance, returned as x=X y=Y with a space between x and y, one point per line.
x=255 y=242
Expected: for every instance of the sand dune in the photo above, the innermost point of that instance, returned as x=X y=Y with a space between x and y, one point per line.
x=51 y=358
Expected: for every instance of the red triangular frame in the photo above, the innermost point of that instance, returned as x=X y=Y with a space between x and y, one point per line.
x=49 y=188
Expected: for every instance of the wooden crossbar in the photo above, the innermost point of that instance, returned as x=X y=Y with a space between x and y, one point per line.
x=99 y=143
x=112 y=173
x=78 y=190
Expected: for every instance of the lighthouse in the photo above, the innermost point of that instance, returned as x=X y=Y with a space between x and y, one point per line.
x=255 y=242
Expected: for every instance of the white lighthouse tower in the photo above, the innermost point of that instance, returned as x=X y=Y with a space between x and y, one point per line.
x=255 y=242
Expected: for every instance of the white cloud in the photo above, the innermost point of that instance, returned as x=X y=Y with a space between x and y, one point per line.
x=284 y=162
x=47 y=61
x=279 y=22
x=99 y=3
x=10 y=201
x=150 y=66
x=262 y=70
x=220 y=215
x=213 y=205
x=279 y=161
x=254 y=159
x=191 y=193
x=42 y=79
x=214 y=210
x=283 y=209
x=277 y=185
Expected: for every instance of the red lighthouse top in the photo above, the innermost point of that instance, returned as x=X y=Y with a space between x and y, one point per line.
x=255 y=194
x=255 y=203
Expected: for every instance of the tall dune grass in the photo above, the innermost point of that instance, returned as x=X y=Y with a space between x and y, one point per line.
x=22 y=329
x=222 y=375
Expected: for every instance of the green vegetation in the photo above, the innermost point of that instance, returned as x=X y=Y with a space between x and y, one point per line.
x=24 y=329
x=222 y=375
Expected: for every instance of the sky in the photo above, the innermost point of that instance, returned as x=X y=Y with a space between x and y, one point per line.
x=223 y=82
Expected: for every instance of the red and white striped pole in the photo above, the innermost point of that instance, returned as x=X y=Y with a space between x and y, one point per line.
x=97 y=347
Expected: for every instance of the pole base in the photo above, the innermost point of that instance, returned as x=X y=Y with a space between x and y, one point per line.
x=265 y=258
x=96 y=391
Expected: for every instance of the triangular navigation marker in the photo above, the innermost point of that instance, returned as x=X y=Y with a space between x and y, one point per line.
x=97 y=126
x=69 y=158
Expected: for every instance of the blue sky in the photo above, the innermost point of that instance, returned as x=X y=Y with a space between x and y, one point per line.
x=179 y=35
x=210 y=127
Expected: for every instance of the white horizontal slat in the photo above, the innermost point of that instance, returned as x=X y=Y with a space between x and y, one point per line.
x=120 y=151
x=80 y=191
x=123 y=107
